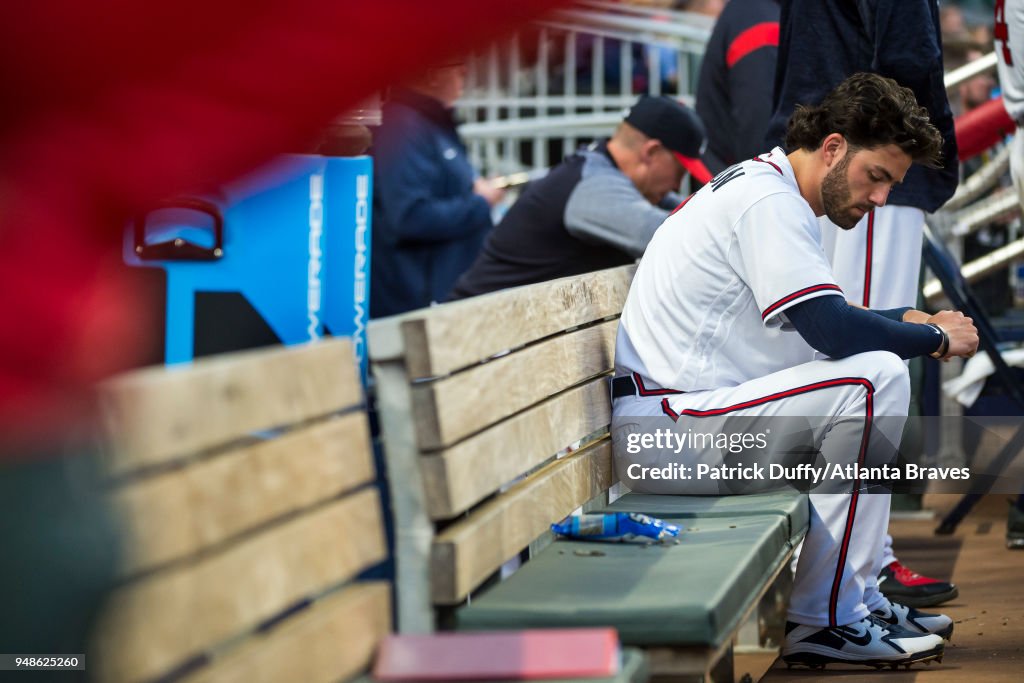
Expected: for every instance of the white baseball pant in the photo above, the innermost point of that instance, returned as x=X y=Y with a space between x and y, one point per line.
x=835 y=582
x=877 y=265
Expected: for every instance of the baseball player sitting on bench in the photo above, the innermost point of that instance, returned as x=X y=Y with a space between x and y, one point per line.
x=726 y=310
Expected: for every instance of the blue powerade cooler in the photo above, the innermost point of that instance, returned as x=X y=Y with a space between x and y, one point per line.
x=281 y=256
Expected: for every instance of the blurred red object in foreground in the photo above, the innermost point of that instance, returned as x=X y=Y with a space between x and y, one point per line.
x=112 y=105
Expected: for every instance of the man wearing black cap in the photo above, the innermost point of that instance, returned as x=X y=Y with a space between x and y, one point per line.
x=597 y=209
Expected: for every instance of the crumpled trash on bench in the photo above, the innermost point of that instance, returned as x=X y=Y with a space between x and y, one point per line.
x=615 y=526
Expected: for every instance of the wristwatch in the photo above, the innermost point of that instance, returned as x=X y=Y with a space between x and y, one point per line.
x=944 y=346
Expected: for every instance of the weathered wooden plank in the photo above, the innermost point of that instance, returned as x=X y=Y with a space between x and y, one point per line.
x=466 y=473
x=466 y=553
x=158 y=414
x=454 y=407
x=437 y=341
x=333 y=640
x=178 y=513
x=413 y=528
x=161 y=621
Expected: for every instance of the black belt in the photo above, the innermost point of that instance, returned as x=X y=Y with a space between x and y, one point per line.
x=625 y=385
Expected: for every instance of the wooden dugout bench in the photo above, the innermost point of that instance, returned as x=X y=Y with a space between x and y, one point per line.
x=245 y=486
x=247 y=493
x=479 y=402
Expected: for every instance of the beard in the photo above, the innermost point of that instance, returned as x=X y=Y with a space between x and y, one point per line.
x=836 y=196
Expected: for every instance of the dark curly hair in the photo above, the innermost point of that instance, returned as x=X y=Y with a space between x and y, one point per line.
x=869 y=111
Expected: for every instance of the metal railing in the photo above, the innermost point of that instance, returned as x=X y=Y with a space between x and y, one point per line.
x=531 y=98
x=968 y=71
x=978 y=202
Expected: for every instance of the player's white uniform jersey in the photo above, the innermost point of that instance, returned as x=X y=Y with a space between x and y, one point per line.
x=705 y=316
x=1009 y=31
x=722 y=270
x=1009 y=47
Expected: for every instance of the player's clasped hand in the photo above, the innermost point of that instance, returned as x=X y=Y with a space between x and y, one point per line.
x=963 y=335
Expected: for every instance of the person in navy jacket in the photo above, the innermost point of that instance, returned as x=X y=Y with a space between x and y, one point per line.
x=430 y=211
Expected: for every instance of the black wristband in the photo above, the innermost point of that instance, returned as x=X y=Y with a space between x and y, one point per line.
x=944 y=346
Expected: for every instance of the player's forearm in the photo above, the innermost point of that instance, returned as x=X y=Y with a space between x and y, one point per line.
x=838 y=330
x=906 y=314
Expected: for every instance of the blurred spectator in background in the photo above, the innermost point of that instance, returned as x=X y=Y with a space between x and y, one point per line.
x=711 y=8
x=660 y=59
x=734 y=92
x=951 y=20
x=975 y=91
x=982 y=35
x=430 y=211
x=597 y=209
x=962 y=43
x=668 y=58
x=961 y=49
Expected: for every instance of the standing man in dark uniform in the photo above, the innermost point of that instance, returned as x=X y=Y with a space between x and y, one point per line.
x=598 y=208
x=877 y=262
x=734 y=92
x=821 y=43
